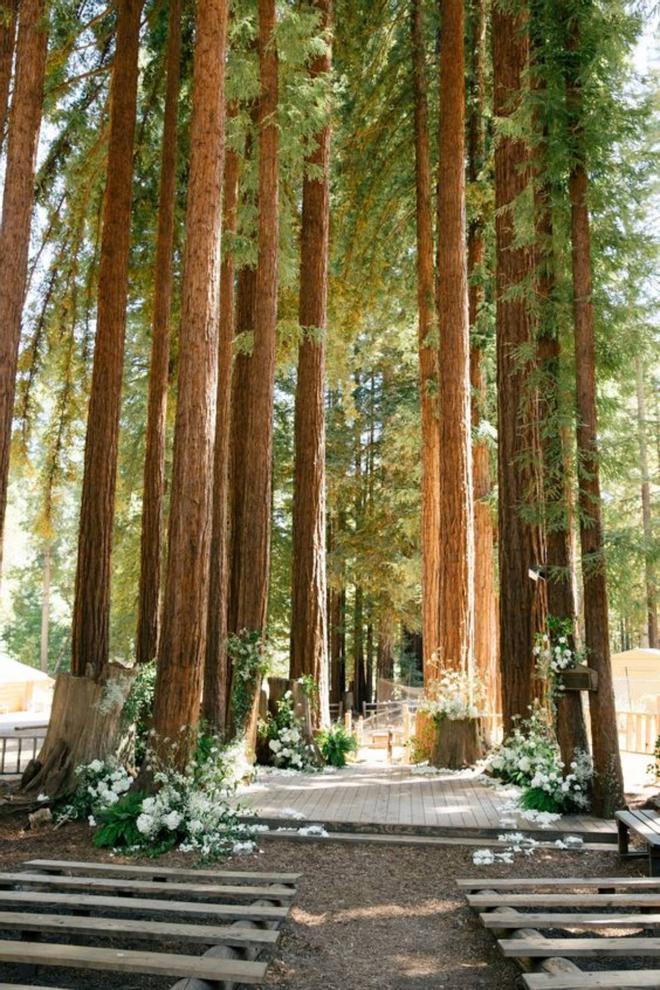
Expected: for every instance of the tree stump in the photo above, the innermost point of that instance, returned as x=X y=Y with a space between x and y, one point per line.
x=83 y=726
x=457 y=743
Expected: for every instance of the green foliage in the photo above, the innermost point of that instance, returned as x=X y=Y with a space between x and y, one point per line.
x=336 y=744
x=136 y=713
x=250 y=659
x=118 y=827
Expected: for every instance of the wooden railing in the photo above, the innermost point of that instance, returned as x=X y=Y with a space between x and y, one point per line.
x=638 y=731
x=16 y=751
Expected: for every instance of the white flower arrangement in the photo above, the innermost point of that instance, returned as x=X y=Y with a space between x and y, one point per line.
x=286 y=744
x=100 y=785
x=529 y=757
x=454 y=696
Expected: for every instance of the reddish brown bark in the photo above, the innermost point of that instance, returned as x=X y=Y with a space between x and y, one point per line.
x=18 y=196
x=252 y=540
x=309 y=621
x=216 y=674
x=238 y=452
x=608 y=778
x=485 y=599
x=154 y=458
x=428 y=356
x=456 y=509
x=8 y=11
x=91 y=611
x=336 y=620
x=521 y=546
x=183 y=641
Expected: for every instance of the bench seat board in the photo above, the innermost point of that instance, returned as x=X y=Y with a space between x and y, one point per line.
x=559 y=920
x=122 y=869
x=598 y=882
x=130 y=928
x=127 y=961
x=641 y=827
x=565 y=900
x=640 y=816
x=619 y=980
x=523 y=948
x=191 y=890
x=141 y=905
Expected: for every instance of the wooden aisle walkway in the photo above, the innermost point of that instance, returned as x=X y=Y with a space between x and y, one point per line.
x=390 y=796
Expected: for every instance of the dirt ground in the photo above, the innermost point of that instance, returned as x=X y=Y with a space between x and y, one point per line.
x=366 y=916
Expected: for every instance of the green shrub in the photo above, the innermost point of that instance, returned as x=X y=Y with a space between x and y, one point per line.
x=335 y=744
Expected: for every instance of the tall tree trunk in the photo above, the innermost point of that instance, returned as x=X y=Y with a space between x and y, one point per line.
x=337 y=617
x=18 y=196
x=359 y=671
x=91 y=610
x=238 y=445
x=521 y=546
x=428 y=355
x=253 y=540
x=309 y=621
x=647 y=523
x=45 y=608
x=8 y=12
x=216 y=673
x=183 y=641
x=485 y=615
x=456 y=508
x=608 y=778
x=569 y=716
x=154 y=459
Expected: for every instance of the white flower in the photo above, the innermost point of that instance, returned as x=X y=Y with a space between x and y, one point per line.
x=173 y=820
x=275 y=745
x=42 y=797
x=91 y=821
x=145 y=824
x=483 y=857
x=96 y=766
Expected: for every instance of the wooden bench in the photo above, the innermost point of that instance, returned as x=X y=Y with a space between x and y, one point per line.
x=625 y=979
x=234 y=923
x=155 y=872
x=646 y=824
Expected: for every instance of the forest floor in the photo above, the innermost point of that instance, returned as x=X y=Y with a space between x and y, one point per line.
x=365 y=916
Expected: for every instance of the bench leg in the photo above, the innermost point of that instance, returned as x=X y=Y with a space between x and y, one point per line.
x=654 y=861
x=624 y=838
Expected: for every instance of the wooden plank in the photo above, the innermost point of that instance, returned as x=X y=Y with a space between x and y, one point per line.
x=128 y=961
x=564 y=900
x=164 y=872
x=599 y=882
x=526 y=948
x=627 y=979
x=640 y=826
x=126 y=927
x=191 y=890
x=649 y=818
x=134 y=905
x=24 y=986
x=552 y=919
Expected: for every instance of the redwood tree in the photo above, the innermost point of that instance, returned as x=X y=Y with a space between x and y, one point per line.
x=428 y=355
x=252 y=539
x=154 y=458
x=24 y=123
x=216 y=673
x=183 y=640
x=521 y=547
x=456 y=510
x=91 y=611
x=608 y=778
x=309 y=621
x=8 y=10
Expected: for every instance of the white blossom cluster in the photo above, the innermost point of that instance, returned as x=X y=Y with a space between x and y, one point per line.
x=454 y=697
x=553 y=657
x=100 y=785
x=529 y=757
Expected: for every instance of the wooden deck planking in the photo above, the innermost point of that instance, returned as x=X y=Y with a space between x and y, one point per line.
x=380 y=794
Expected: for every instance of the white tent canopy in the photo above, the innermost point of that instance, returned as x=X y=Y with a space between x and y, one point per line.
x=23 y=688
x=636 y=676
